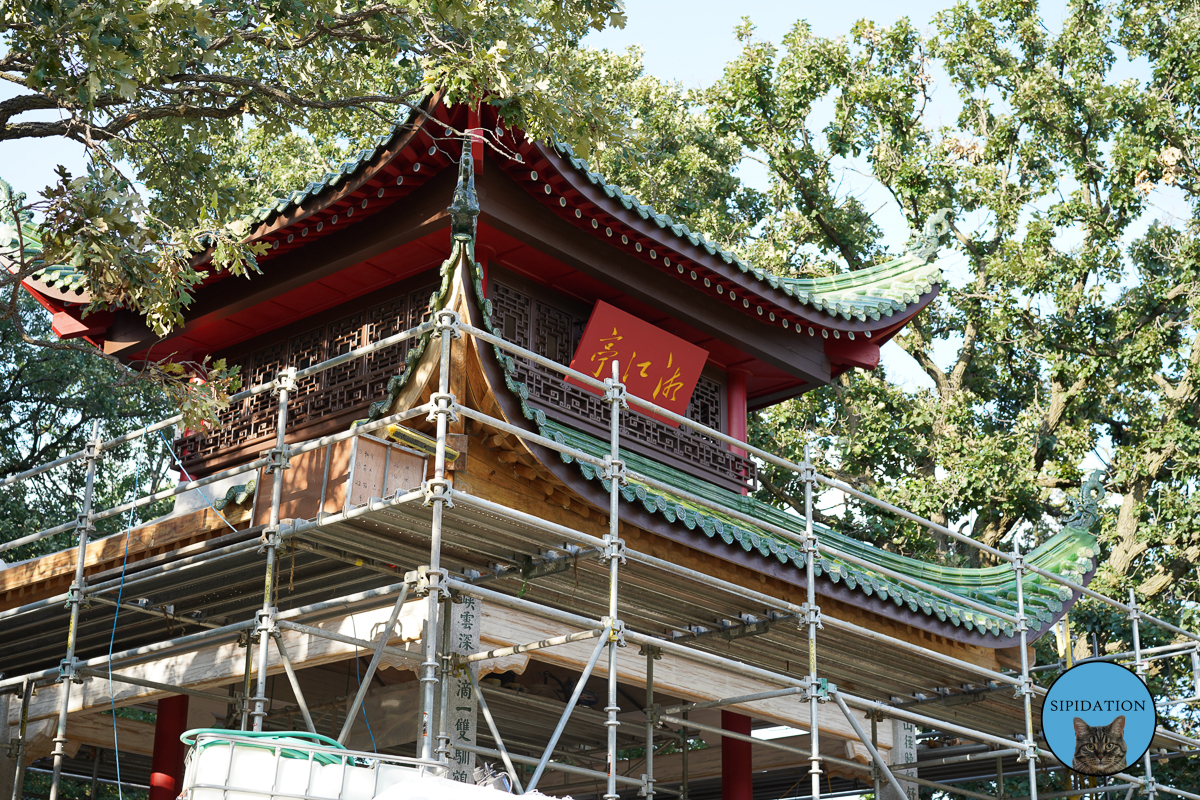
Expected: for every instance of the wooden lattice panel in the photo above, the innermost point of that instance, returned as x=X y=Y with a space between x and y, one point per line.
x=249 y=426
x=538 y=325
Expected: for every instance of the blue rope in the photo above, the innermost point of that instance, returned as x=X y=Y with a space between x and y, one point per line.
x=358 y=680
x=112 y=700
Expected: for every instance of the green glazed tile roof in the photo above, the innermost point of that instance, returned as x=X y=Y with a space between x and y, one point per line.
x=28 y=237
x=863 y=294
x=1070 y=553
x=330 y=179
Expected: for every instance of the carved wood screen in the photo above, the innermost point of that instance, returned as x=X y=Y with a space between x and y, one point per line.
x=531 y=319
x=348 y=389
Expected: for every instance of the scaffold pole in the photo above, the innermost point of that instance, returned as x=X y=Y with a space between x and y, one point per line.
x=437 y=495
x=614 y=553
x=19 y=749
x=285 y=383
x=813 y=617
x=67 y=673
x=1149 y=788
x=1025 y=690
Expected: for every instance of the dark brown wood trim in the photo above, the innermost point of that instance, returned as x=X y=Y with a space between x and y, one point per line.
x=422 y=212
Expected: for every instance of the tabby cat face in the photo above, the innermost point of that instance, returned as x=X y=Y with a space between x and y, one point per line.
x=1099 y=749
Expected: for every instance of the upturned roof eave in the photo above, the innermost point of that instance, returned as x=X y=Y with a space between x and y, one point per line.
x=787 y=304
x=687 y=250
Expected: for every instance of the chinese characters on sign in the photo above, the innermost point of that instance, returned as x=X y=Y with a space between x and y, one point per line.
x=652 y=363
x=904 y=751
x=462 y=708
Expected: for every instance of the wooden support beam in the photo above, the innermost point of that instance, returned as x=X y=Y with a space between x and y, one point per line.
x=673 y=676
x=50 y=574
x=219 y=666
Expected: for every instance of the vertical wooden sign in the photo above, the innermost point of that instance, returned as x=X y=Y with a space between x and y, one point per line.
x=462 y=710
x=904 y=751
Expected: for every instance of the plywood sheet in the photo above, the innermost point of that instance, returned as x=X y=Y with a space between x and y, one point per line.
x=379 y=469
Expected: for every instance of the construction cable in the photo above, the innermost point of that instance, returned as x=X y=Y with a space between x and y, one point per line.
x=358 y=680
x=112 y=700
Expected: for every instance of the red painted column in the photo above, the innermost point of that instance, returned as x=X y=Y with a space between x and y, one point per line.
x=737 y=782
x=735 y=407
x=166 y=765
x=736 y=774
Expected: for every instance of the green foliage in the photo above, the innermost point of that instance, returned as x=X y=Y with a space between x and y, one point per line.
x=37 y=787
x=1073 y=331
x=51 y=400
x=194 y=113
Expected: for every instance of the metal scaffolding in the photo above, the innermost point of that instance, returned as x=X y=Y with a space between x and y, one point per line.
x=436 y=584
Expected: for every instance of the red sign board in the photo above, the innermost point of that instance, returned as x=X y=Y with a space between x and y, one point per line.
x=653 y=364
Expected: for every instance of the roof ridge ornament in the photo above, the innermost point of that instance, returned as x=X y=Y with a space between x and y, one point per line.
x=1087 y=507
x=464 y=207
x=925 y=244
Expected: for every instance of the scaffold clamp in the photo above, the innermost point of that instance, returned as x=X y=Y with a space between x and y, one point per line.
x=447 y=320
x=442 y=403
x=83 y=523
x=820 y=689
x=614 y=392
x=616 y=630
x=613 y=548
x=75 y=596
x=285 y=381
x=269 y=538
x=651 y=650
x=614 y=468
x=278 y=459
x=68 y=670
x=425 y=580
x=92 y=452
x=812 y=614
x=430 y=488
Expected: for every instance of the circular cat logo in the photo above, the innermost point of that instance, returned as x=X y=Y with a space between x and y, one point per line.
x=1098 y=718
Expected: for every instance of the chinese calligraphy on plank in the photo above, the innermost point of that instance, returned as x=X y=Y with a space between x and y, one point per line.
x=653 y=364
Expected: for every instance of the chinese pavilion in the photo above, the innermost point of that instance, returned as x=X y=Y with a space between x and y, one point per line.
x=526 y=245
